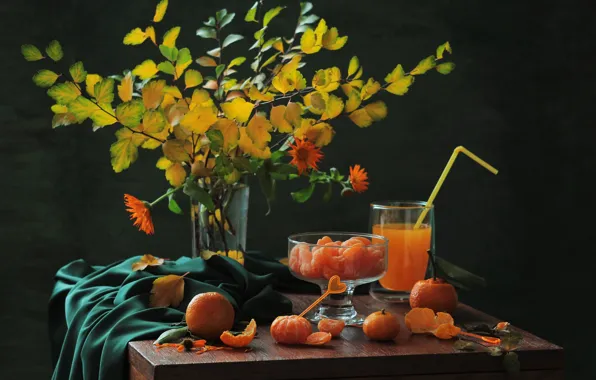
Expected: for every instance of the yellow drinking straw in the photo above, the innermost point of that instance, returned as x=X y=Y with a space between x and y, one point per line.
x=433 y=195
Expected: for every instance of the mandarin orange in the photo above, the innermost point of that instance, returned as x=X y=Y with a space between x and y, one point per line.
x=209 y=314
x=290 y=329
x=435 y=294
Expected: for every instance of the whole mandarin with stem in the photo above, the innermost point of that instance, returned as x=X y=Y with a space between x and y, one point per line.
x=209 y=314
x=381 y=325
x=435 y=294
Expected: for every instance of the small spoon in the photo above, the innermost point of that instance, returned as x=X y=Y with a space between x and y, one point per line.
x=335 y=286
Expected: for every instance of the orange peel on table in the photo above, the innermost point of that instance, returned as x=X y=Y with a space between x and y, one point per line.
x=423 y=320
x=240 y=340
x=318 y=338
x=185 y=345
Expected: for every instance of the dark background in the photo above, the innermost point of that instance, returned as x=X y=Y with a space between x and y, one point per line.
x=521 y=97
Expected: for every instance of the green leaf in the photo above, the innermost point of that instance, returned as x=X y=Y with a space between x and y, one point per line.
x=31 y=53
x=230 y=39
x=442 y=49
x=226 y=19
x=307 y=20
x=495 y=351
x=166 y=67
x=64 y=93
x=335 y=175
x=511 y=362
x=216 y=138
x=252 y=13
x=271 y=13
x=445 y=68
x=424 y=65
x=198 y=194
x=303 y=195
x=45 y=78
x=270 y=60
x=243 y=164
x=276 y=156
x=54 y=51
x=81 y=108
x=457 y=276
x=173 y=205
x=223 y=165
x=511 y=340
x=130 y=113
x=236 y=62
x=77 y=72
x=206 y=32
x=259 y=33
x=305 y=7
x=104 y=91
x=210 y=22
x=267 y=185
x=170 y=53
x=171 y=336
x=219 y=69
x=220 y=14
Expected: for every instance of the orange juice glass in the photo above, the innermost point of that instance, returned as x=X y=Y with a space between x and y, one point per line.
x=408 y=247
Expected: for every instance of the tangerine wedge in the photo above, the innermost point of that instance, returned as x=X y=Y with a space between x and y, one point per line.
x=318 y=338
x=331 y=326
x=446 y=331
x=240 y=340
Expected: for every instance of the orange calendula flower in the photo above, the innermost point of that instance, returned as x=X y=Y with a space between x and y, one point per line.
x=305 y=155
x=140 y=213
x=358 y=179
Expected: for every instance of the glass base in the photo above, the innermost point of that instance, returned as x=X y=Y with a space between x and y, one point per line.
x=378 y=292
x=337 y=306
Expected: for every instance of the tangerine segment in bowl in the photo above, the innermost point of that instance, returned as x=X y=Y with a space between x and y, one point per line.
x=352 y=259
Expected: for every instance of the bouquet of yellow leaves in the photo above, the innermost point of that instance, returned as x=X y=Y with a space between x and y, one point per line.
x=216 y=120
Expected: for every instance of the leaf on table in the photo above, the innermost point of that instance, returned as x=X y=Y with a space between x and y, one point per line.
x=464 y=345
x=511 y=340
x=495 y=351
x=145 y=261
x=167 y=291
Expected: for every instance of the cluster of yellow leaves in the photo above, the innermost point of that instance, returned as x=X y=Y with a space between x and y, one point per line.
x=232 y=254
x=321 y=37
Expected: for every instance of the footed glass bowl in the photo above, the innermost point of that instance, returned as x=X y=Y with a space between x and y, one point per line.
x=357 y=258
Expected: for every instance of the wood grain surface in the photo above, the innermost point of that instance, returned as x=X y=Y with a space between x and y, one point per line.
x=351 y=356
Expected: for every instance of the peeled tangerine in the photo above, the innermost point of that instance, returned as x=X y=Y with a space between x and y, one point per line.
x=352 y=259
x=423 y=320
x=293 y=329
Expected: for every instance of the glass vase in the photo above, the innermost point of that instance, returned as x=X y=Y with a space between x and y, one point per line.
x=224 y=228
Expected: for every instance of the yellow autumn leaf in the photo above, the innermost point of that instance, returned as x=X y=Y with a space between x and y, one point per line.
x=163 y=163
x=332 y=41
x=124 y=151
x=254 y=94
x=64 y=93
x=312 y=40
x=377 y=110
x=81 y=108
x=160 y=10
x=229 y=130
x=279 y=121
x=182 y=62
x=327 y=80
x=316 y=102
x=192 y=78
x=396 y=74
x=173 y=90
x=90 y=83
x=135 y=37
x=400 y=86
x=167 y=291
x=207 y=61
x=247 y=146
x=199 y=119
x=145 y=261
x=59 y=108
x=125 y=88
x=369 y=89
x=153 y=93
x=334 y=107
x=319 y=134
x=176 y=174
x=145 y=70
x=101 y=118
x=153 y=143
x=353 y=101
x=104 y=91
x=361 y=118
x=238 y=109
x=177 y=150
x=293 y=114
x=354 y=65
x=234 y=62
x=170 y=37
x=358 y=83
x=153 y=122
x=258 y=131
x=130 y=113
x=150 y=32
x=201 y=98
x=424 y=65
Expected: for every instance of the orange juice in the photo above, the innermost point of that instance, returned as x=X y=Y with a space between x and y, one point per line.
x=408 y=257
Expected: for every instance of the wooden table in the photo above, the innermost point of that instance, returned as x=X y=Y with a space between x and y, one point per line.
x=353 y=356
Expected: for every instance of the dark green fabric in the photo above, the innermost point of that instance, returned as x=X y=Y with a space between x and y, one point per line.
x=95 y=311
